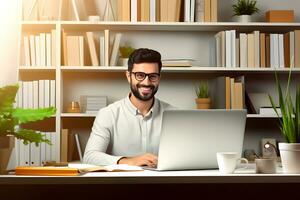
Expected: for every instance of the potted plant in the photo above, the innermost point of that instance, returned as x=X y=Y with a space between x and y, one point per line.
x=10 y=120
x=289 y=120
x=243 y=10
x=125 y=52
x=202 y=101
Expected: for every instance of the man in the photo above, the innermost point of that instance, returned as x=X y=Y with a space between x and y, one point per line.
x=128 y=131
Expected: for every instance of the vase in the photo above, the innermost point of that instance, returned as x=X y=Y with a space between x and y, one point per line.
x=290 y=157
x=7 y=144
x=203 y=103
x=243 y=18
x=123 y=61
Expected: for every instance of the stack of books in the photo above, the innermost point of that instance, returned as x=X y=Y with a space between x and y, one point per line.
x=92 y=104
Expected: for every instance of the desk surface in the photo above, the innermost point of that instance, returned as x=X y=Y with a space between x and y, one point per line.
x=150 y=177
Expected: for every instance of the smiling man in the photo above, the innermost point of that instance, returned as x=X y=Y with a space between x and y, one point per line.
x=128 y=131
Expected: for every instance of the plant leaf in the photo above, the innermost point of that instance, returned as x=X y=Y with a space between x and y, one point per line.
x=30 y=115
x=7 y=98
x=30 y=136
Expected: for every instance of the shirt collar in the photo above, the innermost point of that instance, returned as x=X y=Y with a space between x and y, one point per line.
x=135 y=111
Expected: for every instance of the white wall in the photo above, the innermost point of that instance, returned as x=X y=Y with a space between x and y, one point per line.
x=10 y=15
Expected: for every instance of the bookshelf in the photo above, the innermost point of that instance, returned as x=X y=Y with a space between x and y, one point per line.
x=177 y=82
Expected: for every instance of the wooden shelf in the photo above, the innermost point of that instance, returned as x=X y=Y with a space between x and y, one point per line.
x=178 y=69
x=39 y=68
x=258 y=116
x=165 y=26
x=78 y=115
x=179 y=26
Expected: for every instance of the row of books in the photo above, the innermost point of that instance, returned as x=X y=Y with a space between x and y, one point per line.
x=99 y=48
x=257 y=49
x=32 y=155
x=201 y=10
x=92 y=104
x=36 y=94
x=39 y=49
x=122 y=10
x=230 y=93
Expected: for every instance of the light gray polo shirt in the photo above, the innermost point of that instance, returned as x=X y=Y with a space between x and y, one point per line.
x=120 y=130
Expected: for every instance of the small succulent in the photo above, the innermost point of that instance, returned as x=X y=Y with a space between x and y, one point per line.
x=126 y=51
x=245 y=7
x=202 y=90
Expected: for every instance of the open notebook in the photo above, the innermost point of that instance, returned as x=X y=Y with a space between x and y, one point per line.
x=72 y=169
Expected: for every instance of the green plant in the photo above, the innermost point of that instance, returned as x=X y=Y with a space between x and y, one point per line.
x=126 y=51
x=202 y=90
x=11 y=118
x=245 y=7
x=290 y=114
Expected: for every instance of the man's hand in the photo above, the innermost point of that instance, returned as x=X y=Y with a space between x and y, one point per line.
x=147 y=159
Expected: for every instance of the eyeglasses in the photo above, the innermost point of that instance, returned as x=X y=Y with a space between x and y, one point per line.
x=140 y=76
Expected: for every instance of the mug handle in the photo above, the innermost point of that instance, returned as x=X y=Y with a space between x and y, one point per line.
x=243 y=159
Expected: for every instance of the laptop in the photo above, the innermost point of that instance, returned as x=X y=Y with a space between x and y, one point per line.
x=190 y=139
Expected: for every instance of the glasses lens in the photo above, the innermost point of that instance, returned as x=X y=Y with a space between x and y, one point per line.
x=140 y=76
x=153 y=77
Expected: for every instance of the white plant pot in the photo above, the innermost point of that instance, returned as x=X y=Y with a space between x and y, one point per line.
x=123 y=61
x=243 y=18
x=290 y=157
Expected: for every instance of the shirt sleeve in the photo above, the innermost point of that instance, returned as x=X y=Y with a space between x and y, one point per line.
x=95 y=151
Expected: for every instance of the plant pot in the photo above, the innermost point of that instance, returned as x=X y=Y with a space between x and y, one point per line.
x=7 y=143
x=243 y=18
x=290 y=157
x=203 y=103
x=123 y=61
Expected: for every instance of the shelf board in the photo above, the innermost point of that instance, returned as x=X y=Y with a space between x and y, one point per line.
x=78 y=115
x=260 y=116
x=35 y=68
x=178 y=69
x=178 y=26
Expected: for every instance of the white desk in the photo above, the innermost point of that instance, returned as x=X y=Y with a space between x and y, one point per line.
x=209 y=184
x=154 y=177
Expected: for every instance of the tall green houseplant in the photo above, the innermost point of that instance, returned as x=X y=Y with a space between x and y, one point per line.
x=290 y=114
x=11 y=118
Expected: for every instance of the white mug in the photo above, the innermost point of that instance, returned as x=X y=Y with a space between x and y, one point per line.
x=227 y=162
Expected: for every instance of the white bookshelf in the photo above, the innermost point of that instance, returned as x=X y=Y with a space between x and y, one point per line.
x=72 y=81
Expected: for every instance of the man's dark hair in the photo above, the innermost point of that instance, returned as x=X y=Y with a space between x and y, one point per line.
x=144 y=55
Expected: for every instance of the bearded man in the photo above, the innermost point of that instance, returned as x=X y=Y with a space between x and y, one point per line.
x=128 y=131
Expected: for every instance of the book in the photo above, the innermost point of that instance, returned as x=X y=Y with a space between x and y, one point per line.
x=243 y=50
x=199 y=11
x=64 y=145
x=214 y=10
x=262 y=50
x=72 y=169
x=269 y=111
x=92 y=48
x=250 y=50
x=177 y=63
x=297 y=49
x=78 y=146
x=115 y=49
x=26 y=50
x=207 y=11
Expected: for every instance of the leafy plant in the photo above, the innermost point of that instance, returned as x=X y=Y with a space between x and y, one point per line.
x=11 y=118
x=290 y=114
x=245 y=7
x=202 y=90
x=126 y=51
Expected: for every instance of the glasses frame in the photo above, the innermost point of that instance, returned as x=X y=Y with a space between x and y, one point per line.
x=146 y=75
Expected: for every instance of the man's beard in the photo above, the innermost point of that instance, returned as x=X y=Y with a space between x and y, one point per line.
x=143 y=97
